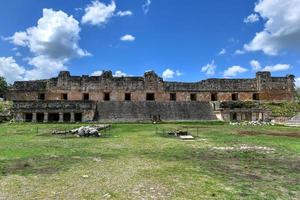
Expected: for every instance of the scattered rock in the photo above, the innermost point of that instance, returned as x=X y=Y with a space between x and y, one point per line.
x=252 y=123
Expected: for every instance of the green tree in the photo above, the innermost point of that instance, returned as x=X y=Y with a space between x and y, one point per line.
x=3 y=86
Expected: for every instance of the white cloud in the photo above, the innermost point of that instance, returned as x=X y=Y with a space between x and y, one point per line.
x=251 y=18
x=10 y=70
x=146 y=6
x=239 y=52
x=19 y=39
x=98 y=13
x=255 y=65
x=44 y=67
x=234 y=70
x=124 y=13
x=97 y=73
x=127 y=38
x=119 y=74
x=297 y=82
x=169 y=73
x=53 y=42
x=210 y=68
x=278 y=67
x=282 y=27
x=222 y=52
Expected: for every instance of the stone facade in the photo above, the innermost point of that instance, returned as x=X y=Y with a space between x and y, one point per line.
x=90 y=98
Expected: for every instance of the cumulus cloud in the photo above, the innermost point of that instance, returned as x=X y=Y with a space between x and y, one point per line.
x=98 y=13
x=146 y=6
x=56 y=35
x=97 y=73
x=222 y=52
x=255 y=65
x=278 y=67
x=53 y=42
x=251 y=19
x=44 y=67
x=119 y=74
x=127 y=38
x=124 y=13
x=282 y=28
x=297 y=82
x=169 y=73
x=234 y=70
x=10 y=70
x=210 y=68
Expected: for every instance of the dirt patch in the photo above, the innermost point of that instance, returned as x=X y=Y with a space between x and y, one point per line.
x=288 y=134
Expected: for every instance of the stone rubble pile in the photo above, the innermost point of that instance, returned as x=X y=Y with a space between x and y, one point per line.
x=252 y=123
x=85 y=131
x=294 y=121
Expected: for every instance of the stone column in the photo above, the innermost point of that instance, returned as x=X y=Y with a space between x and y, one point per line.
x=61 y=117
x=72 y=117
x=34 y=117
x=45 y=117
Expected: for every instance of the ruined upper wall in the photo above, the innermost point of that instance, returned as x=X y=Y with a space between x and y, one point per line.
x=150 y=81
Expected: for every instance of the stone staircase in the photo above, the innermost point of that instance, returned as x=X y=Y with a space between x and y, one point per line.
x=143 y=111
x=294 y=121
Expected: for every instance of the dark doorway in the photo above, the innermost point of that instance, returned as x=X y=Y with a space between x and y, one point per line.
x=214 y=97
x=53 y=117
x=28 y=117
x=40 y=117
x=41 y=96
x=235 y=97
x=106 y=96
x=233 y=116
x=67 y=117
x=172 y=96
x=86 y=96
x=193 y=97
x=78 y=117
x=127 y=97
x=64 y=96
x=150 y=97
x=255 y=97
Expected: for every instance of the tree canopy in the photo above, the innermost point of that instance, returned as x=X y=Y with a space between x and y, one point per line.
x=3 y=86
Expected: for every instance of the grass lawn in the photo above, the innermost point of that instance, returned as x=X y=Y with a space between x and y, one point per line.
x=138 y=161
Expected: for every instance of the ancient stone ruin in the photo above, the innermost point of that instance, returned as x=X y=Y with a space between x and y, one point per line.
x=69 y=98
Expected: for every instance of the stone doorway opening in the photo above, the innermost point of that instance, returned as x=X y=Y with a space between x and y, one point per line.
x=53 y=117
x=67 y=117
x=40 y=117
x=28 y=117
x=78 y=117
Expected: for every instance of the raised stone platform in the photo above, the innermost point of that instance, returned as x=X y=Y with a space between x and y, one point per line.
x=294 y=121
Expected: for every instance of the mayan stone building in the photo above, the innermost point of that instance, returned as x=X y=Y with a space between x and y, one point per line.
x=69 y=98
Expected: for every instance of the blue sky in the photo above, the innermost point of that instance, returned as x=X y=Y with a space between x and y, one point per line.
x=188 y=40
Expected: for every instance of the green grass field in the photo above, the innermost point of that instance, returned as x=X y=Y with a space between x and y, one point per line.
x=138 y=161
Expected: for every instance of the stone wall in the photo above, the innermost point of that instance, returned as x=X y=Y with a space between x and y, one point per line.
x=146 y=111
x=269 y=88
x=64 y=96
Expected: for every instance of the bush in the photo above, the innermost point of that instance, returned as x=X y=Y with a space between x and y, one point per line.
x=287 y=109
